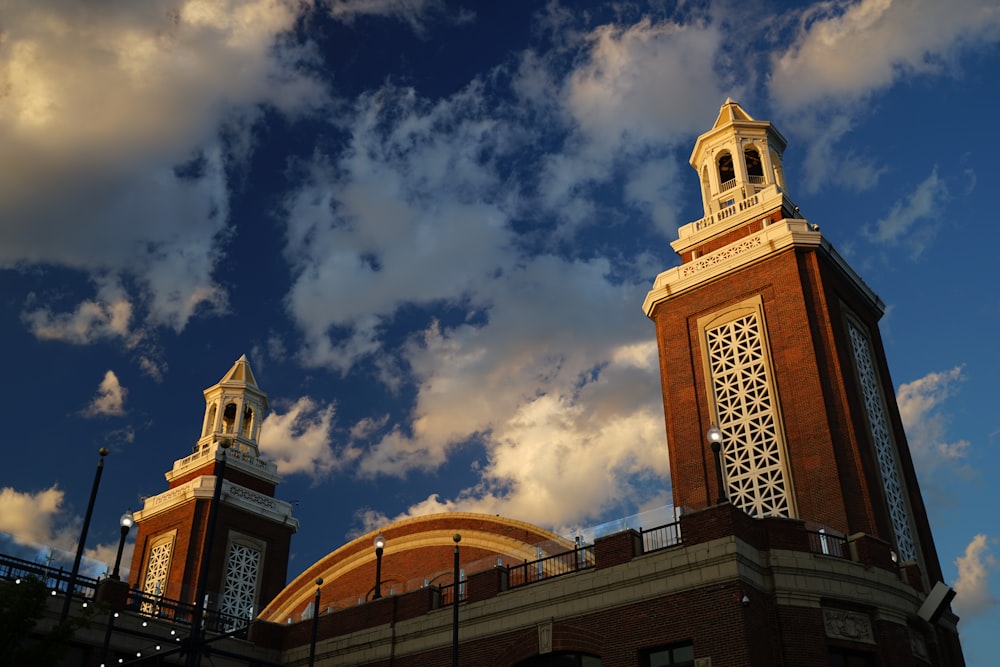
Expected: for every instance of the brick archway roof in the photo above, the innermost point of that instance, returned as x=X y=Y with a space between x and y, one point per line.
x=418 y=551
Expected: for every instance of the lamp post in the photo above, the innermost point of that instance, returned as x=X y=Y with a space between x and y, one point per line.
x=715 y=440
x=454 y=615
x=315 y=624
x=126 y=523
x=379 y=546
x=194 y=641
x=103 y=451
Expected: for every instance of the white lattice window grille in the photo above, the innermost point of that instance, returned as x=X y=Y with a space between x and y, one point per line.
x=157 y=569
x=753 y=452
x=884 y=449
x=240 y=592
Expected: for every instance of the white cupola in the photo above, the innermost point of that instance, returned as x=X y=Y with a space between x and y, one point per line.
x=737 y=158
x=234 y=410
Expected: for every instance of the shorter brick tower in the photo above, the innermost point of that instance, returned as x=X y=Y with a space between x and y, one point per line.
x=248 y=554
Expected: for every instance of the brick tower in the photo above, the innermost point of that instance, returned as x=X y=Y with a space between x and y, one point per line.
x=248 y=556
x=765 y=331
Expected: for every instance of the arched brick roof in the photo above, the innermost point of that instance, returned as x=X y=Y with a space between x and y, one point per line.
x=417 y=550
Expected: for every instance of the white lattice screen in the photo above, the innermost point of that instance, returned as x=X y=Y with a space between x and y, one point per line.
x=156 y=573
x=241 y=581
x=752 y=449
x=884 y=449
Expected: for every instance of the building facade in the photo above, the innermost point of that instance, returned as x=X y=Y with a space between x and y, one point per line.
x=802 y=540
x=800 y=537
x=218 y=528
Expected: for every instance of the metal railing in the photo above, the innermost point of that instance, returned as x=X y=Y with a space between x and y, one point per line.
x=661 y=537
x=529 y=572
x=828 y=544
x=55 y=579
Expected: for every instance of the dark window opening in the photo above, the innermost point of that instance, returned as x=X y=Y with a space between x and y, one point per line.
x=755 y=167
x=840 y=657
x=727 y=172
x=674 y=655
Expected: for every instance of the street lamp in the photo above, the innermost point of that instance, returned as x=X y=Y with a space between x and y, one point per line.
x=715 y=440
x=126 y=523
x=454 y=615
x=379 y=546
x=103 y=451
x=315 y=624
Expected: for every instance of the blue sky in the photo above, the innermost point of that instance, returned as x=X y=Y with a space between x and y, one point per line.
x=431 y=224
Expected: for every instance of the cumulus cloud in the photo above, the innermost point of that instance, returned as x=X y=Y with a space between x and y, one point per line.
x=552 y=364
x=117 y=108
x=30 y=517
x=300 y=439
x=110 y=398
x=108 y=316
x=973 y=596
x=842 y=53
x=38 y=524
x=914 y=220
x=926 y=426
x=847 y=50
x=637 y=92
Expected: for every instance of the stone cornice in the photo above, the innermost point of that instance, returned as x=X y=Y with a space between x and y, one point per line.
x=772 y=239
x=233 y=495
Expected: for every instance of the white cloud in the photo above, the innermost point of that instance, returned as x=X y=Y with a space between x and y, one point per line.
x=638 y=91
x=843 y=53
x=300 y=439
x=555 y=359
x=973 y=595
x=847 y=50
x=919 y=407
x=100 y=103
x=902 y=225
x=110 y=398
x=30 y=516
x=38 y=522
x=108 y=316
x=410 y=11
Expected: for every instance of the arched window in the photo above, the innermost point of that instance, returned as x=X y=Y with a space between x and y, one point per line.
x=247 y=422
x=727 y=172
x=210 y=419
x=229 y=418
x=706 y=188
x=779 y=174
x=755 y=167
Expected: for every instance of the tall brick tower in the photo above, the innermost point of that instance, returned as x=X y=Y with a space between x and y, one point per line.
x=248 y=556
x=767 y=332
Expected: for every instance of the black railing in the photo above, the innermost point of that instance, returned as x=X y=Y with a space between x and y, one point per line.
x=154 y=606
x=55 y=579
x=828 y=544
x=661 y=537
x=528 y=572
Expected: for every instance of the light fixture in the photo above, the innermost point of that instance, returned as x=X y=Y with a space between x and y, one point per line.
x=715 y=436
x=126 y=522
x=379 y=547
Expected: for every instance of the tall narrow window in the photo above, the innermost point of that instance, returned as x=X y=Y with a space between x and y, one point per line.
x=240 y=591
x=884 y=448
x=157 y=572
x=247 y=422
x=755 y=168
x=210 y=419
x=727 y=173
x=229 y=418
x=739 y=373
